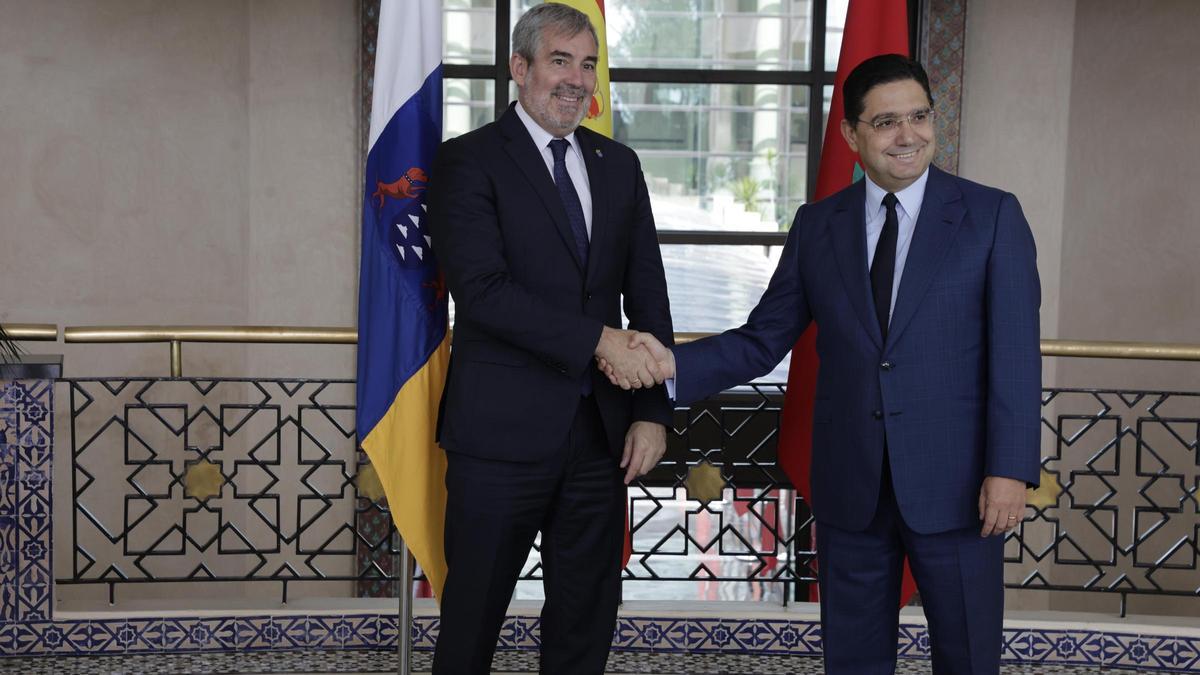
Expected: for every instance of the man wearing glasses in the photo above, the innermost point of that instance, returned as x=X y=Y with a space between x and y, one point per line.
x=925 y=290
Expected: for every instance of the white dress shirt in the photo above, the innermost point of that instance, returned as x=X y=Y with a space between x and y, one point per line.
x=574 y=161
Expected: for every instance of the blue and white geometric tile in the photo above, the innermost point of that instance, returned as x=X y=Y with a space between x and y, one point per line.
x=425 y=630
x=913 y=641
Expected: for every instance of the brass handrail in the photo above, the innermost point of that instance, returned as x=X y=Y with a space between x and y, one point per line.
x=40 y=332
x=177 y=335
x=1095 y=349
x=240 y=334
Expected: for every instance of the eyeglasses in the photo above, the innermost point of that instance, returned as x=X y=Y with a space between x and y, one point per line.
x=890 y=125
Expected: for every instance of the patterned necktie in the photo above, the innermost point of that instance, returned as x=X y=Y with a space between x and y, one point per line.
x=570 y=198
x=883 y=266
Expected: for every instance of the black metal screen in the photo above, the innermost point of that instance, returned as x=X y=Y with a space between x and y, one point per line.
x=260 y=480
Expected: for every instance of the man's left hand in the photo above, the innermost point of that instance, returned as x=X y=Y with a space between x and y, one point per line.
x=1001 y=504
x=645 y=444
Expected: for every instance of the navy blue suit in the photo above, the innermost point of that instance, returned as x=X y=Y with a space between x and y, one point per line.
x=527 y=450
x=950 y=397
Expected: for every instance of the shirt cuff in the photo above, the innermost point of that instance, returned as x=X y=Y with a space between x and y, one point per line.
x=670 y=384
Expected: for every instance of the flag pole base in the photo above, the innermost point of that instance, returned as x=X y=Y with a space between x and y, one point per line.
x=404 y=626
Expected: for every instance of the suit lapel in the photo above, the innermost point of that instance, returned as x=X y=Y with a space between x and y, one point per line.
x=597 y=185
x=848 y=229
x=528 y=159
x=941 y=215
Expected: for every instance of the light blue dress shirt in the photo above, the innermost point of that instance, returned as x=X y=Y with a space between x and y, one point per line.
x=907 y=211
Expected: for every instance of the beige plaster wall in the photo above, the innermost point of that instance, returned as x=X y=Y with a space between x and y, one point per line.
x=1082 y=109
x=303 y=174
x=1132 y=229
x=1017 y=66
x=180 y=163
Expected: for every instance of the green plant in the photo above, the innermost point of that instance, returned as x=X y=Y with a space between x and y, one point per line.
x=745 y=192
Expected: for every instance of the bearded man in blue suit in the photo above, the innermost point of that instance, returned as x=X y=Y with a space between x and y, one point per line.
x=925 y=290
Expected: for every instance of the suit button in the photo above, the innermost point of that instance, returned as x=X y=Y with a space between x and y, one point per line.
x=887 y=365
x=877 y=414
x=587 y=296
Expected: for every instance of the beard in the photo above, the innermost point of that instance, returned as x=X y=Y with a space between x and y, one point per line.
x=549 y=111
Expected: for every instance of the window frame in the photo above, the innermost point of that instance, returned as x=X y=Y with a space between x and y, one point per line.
x=815 y=79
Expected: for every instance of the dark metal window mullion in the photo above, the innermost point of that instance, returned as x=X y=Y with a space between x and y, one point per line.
x=500 y=73
x=816 y=99
x=701 y=76
x=814 y=79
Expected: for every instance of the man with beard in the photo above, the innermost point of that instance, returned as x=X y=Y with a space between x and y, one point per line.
x=542 y=227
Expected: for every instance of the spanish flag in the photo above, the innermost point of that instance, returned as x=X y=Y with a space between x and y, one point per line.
x=403 y=345
x=599 y=115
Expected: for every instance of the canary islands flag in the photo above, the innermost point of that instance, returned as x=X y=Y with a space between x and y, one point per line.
x=403 y=348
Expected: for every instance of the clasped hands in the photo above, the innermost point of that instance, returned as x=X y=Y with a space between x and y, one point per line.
x=633 y=360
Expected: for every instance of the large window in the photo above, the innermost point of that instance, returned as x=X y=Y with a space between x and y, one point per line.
x=725 y=102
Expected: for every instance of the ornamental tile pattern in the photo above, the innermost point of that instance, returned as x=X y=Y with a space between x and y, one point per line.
x=384 y=661
x=944 y=27
x=26 y=421
x=754 y=639
x=28 y=629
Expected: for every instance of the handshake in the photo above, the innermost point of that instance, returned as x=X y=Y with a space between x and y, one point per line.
x=633 y=360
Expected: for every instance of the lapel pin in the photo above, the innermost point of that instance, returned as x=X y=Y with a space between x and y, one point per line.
x=598 y=153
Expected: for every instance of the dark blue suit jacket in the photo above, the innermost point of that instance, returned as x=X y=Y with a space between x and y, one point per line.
x=528 y=315
x=955 y=387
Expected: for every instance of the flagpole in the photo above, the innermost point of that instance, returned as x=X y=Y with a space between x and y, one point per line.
x=404 y=626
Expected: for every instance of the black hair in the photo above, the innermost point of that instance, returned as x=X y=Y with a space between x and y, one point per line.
x=875 y=71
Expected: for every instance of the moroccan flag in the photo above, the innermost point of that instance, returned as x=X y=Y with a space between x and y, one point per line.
x=873 y=27
x=403 y=348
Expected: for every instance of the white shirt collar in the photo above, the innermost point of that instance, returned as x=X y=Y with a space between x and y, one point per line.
x=541 y=137
x=910 y=198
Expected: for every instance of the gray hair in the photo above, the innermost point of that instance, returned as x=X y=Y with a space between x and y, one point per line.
x=527 y=35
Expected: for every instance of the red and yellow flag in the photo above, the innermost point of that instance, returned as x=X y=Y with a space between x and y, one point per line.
x=599 y=116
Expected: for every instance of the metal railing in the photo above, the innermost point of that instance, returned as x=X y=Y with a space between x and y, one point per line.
x=1116 y=512
x=176 y=336
x=32 y=332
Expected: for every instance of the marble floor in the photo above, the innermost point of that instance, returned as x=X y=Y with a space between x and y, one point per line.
x=362 y=662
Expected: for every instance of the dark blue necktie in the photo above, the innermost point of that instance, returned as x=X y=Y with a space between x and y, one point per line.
x=570 y=198
x=883 y=265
